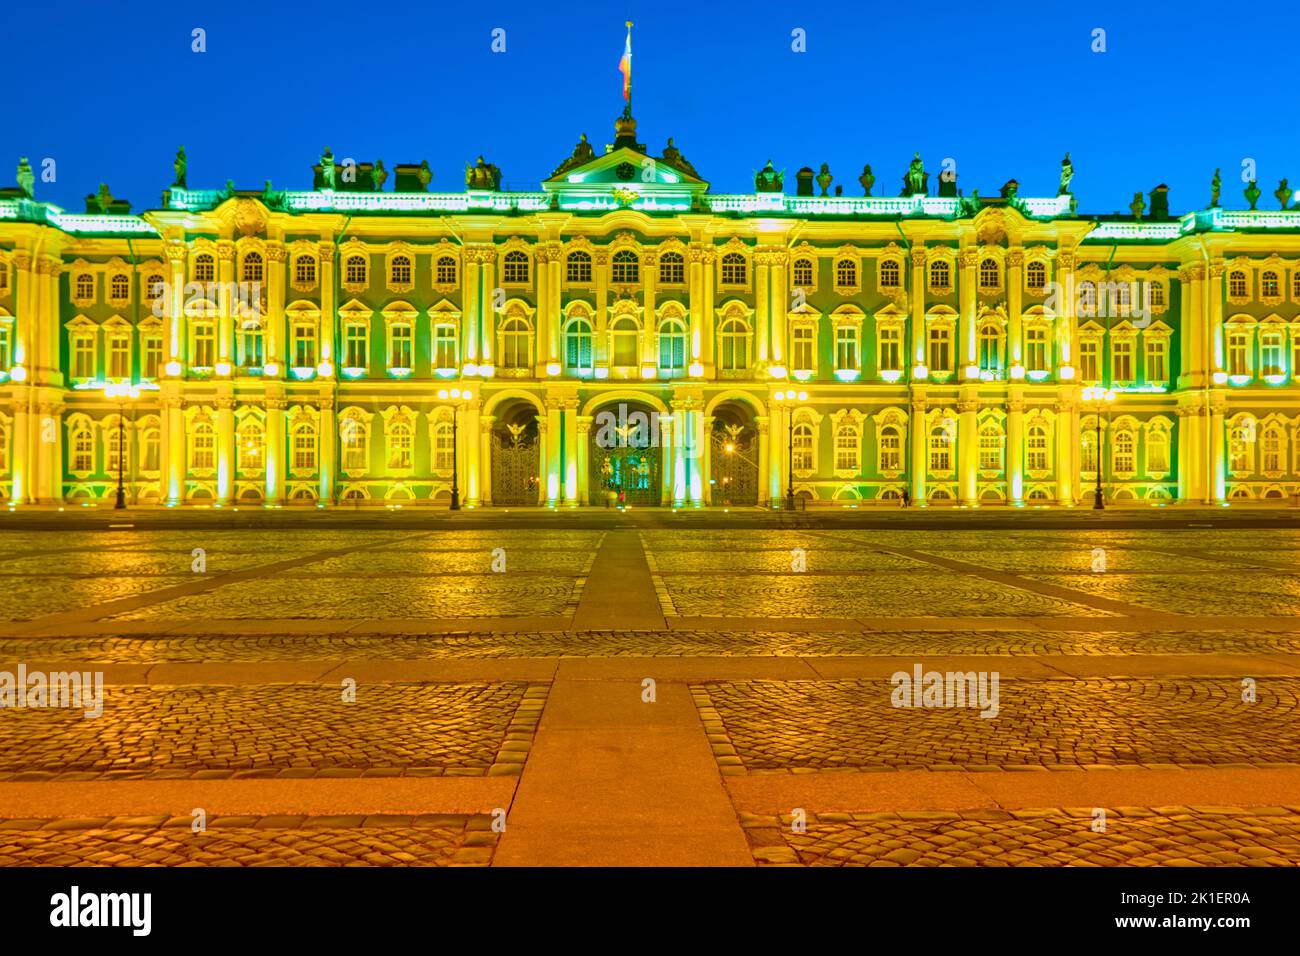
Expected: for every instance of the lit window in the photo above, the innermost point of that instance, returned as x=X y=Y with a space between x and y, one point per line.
x=801 y=348
x=304 y=447
x=1238 y=352
x=205 y=345
x=734 y=342
x=399 y=347
x=672 y=269
x=1157 y=371
x=443 y=447
x=846 y=448
x=940 y=448
x=399 y=445
x=83 y=450
x=203 y=445
x=803 y=447
x=356 y=346
x=733 y=269
x=1270 y=352
x=891 y=449
x=514 y=267
x=625 y=269
x=990 y=345
x=1158 y=451
x=577 y=345
x=672 y=345
x=940 y=349
x=1036 y=448
x=1124 y=460
x=1036 y=349
x=249 y=446
x=1122 y=360
x=119 y=356
x=444 y=346
x=352 y=436
x=250 y=352
x=846 y=348
x=891 y=349
x=577 y=267
x=991 y=444
x=304 y=346
x=516 y=344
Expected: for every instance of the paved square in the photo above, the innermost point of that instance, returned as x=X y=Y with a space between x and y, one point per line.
x=573 y=690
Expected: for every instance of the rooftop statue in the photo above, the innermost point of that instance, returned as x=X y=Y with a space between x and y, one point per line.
x=26 y=179
x=768 y=180
x=1283 y=193
x=824 y=177
x=1252 y=194
x=583 y=153
x=673 y=157
x=179 y=165
x=1067 y=173
x=867 y=180
x=482 y=175
x=426 y=174
x=379 y=175
x=327 y=174
x=1216 y=184
x=1137 y=206
x=917 y=180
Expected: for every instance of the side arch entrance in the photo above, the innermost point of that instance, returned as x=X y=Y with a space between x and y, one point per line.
x=516 y=456
x=733 y=455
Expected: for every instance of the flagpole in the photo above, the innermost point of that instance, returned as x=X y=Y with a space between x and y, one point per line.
x=629 y=68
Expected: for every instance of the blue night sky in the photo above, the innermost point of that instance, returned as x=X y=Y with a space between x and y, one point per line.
x=110 y=89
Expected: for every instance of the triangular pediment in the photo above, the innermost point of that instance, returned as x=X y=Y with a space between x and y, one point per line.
x=624 y=178
x=625 y=167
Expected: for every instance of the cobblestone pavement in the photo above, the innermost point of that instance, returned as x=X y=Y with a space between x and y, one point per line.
x=1134 y=836
x=287 y=730
x=429 y=840
x=674 y=643
x=782 y=726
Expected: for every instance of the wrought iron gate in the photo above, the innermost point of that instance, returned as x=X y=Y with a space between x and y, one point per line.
x=734 y=466
x=515 y=467
x=633 y=471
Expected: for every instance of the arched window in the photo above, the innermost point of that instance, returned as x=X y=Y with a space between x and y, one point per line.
x=1237 y=284
x=151 y=446
x=1268 y=284
x=577 y=345
x=1272 y=454
x=352 y=438
x=802 y=272
x=445 y=271
x=114 y=464
x=891 y=276
x=1240 y=455
x=624 y=336
x=203 y=443
x=155 y=289
x=354 y=270
x=252 y=271
x=304 y=447
x=846 y=273
x=399 y=445
x=1036 y=348
x=846 y=448
x=1036 y=276
x=803 y=447
x=443 y=447
x=891 y=448
x=119 y=288
x=83 y=449
x=205 y=268
x=990 y=274
x=625 y=267
x=1036 y=448
x=85 y=288
x=399 y=271
x=514 y=267
x=1156 y=295
x=1158 y=451
x=1087 y=298
x=1088 y=447
x=304 y=271
x=672 y=345
x=990 y=347
x=516 y=343
x=577 y=267
x=250 y=446
x=1124 y=460
x=733 y=269
x=991 y=445
x=940 y=448
x=672 y=269
x=940 y=274
x=734 y=343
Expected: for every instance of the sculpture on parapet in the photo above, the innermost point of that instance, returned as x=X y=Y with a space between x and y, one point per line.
x=26 y=178
x=1216 y=185
x=1067 y=173
x=768 y=180
x=179 y=165
x=482 y=175
x=1283 y=193
x=1252 y=194
x=327 y=172
x=917 y=180
x=866 y=180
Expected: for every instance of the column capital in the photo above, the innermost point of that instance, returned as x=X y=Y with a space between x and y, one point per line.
x=481 y=253
x=1016 y=258
x=1065 y=259
x=549 y=252
x=969 y=258
x=918 y=255
x=176 y=251
x=225 y=250
x=275 y=251
x=1194 y=272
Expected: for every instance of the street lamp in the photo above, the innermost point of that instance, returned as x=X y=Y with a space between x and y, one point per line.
x=459 y=398
x=123 y=393
x=1099 y=398
x=788 y=400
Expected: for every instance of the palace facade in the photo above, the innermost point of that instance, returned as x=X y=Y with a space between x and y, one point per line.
x=623 y=329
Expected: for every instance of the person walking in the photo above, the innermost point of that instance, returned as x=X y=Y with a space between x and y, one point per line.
x=907 y=499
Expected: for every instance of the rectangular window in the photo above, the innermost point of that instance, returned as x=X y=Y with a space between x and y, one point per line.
x=444 y=346
x=846 y=348
x=6 y=348
x=205 y=346
x=355 y=347
x=1089 y=367
x=399 y=347
x=152 y=356
x=1122 y=360
x=1237 y=349
x=1270 y=353
x=1036 y=350
x=1157 y=368
x=119 y=357
x=801 y=348
x=304 y=346
x=83 y=356
x=250 y=347
x=940 y=357
x=891 y=350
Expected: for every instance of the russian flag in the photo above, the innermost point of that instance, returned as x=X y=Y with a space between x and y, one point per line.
x=625 y=65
